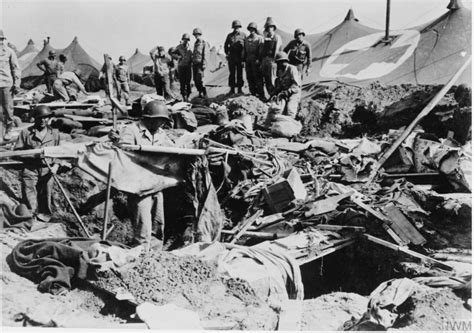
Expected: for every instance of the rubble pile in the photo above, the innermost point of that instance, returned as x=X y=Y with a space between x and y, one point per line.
x=162 y=277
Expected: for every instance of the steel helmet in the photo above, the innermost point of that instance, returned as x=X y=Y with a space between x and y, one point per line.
x=299 y=31
x=2 y=35
x=156 y=109
x=236 y=24
x=186 y=36
x=252 y=25
x=269 y=23
x=122 y=58
x=52 y=53
x=197 y=31
x=42 y=111
x=281 y=56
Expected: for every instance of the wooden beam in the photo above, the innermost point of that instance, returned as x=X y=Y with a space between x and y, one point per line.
x=246 y=225
x=408 y=252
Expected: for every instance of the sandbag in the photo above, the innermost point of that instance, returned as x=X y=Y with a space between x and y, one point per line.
x=285 y=126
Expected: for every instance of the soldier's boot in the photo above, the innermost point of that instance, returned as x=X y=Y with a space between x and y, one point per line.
x=204 y=93
x=240 y=90
x=231 y=91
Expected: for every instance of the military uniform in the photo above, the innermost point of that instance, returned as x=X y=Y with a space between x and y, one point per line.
x=200 y=55
x=10 y=75
x=122 y=74
x=234 y=50
x=37 y=180
x=271 y=45
x=252 y=51
x=50 y=67
x=145 y=210
x=161 y=70
x=185 y=54
x=299 y=54
x=288 y=82
x=66 y=88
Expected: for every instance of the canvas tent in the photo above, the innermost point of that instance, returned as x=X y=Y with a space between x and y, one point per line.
x=77 y=58
x=137 y=61
x=29 y=48
x=428 y=54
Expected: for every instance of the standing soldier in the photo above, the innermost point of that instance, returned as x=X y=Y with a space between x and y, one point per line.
x=271 y=45
x=36 y=180
x=49 y=67
x=161 y=70
x=252 y=52
x=299 y=52
x=10 y=77
x=287 y=84
x=123 y=78
x=149 y=208
x=185 y=56
x=173 y=71
x=234 y=50
x=200 y=54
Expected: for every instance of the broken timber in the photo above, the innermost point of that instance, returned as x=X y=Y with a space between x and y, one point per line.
x=414 y=254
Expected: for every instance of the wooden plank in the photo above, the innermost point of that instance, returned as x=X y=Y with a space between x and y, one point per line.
x=402 y=227
x=386 y=222
x=246 y=225
x=408 y=252
x=332 y=227
x=324 y=253
x=327 y=205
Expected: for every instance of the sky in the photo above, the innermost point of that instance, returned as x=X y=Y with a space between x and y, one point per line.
x=119 y=27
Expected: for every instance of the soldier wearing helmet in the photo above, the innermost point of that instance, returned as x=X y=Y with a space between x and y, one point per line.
x=10 y=77
x=148 y=131
x=200 y=56
x=49 y=67
x=162 y=65
x=67 y=87
x=287 y=84
x=252 y=52
x=234 y=50
x=272 y=44
x=36 y=180
x=122 y=75
x=299 y=52
x=184 y=53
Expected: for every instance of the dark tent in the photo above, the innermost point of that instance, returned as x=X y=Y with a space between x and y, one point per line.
x=77 y=58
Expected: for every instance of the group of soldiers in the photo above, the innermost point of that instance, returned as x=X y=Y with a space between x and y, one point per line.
x=268 y=64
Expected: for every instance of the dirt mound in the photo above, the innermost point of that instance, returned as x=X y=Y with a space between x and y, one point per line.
x=329 y=312
x=334 y=108
x=432 y=309
x=162 y=278
x=247 y=104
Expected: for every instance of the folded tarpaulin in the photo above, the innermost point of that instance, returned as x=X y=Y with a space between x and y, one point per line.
x=52 y=263
x=274 y=275
x=133 y=172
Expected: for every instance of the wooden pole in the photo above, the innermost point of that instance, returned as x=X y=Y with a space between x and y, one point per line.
x=107 y=202
x=387 y=23
x=63 y=191
x=20 y=153
x=109 y=77
x=407 y=251
x=426 y=110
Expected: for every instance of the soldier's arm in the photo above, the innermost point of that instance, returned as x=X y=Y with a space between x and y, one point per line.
x=309 y=57
x=20 y=142
x=288 y=47
x=15 y=69
x=127 y=136
x=279 y=43
x=296 y=81
x=153 y=53
x=227 y=45
x=40 y=65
